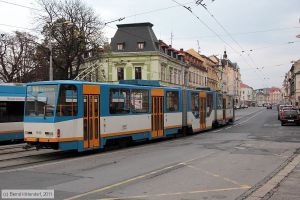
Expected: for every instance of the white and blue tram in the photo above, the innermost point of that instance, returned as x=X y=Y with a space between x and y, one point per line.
x=76 y=115
x=12 y=98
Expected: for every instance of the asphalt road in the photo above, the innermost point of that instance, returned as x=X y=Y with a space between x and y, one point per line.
x=225 y=163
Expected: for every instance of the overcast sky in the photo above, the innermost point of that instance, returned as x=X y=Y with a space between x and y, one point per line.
x=266 y=27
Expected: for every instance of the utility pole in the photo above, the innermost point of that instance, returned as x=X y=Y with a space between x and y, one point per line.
x=51 y=61
x=172 y=38
x=51 y=25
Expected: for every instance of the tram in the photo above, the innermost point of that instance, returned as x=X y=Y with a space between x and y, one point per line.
x=77 y=115
x=12 y=98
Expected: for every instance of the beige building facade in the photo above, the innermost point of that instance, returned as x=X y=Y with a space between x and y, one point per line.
x=291 y=85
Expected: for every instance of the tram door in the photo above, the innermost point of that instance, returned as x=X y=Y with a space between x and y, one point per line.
x=157 y=117
x=224 y=108
x=91 y=118
x=202 y=110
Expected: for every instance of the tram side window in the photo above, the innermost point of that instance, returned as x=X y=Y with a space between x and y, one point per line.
x=172 y=101
x=119 y=101
x=139 y=101
x=195 y=102
x=220 y=102
x=67 y=101
x=11 y=111
x=209 y=104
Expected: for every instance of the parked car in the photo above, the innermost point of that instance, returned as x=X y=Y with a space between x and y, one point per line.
x=269 y=106
x=281 y=107
x=290 y=116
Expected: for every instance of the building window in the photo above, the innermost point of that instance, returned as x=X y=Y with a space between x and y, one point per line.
x=172 y=101
x=141 y=45
x=163 y=73
x=120 y=46
x=119 y=101
x=171 y=75
x=179 y=77
x=138 y=73
x=175 y=76
x=120 y=73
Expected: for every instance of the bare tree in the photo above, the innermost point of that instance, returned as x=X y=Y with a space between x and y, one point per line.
x=17 y=57
x=72 y=29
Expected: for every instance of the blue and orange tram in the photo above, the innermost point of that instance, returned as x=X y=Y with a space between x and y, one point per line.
x=12 y=98
x=77 y=115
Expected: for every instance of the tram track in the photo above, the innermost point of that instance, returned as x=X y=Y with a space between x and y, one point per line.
x=14 y=150
x=11 y=146
x=15 y=159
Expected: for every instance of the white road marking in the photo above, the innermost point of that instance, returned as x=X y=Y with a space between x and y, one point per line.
x=177 y=193
x=133 y=179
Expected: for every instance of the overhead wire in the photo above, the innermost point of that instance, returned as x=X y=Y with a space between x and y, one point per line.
x=12 y=26
x=243 y=33
x=233 y=39
x=160 y=9
x=203 y=23
x=208 y=27
x=146 y=12
x=19 y=5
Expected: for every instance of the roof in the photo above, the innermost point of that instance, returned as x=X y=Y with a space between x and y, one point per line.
x=245 y=85
x=131 y=34
x=274 y=89
x=194 y=53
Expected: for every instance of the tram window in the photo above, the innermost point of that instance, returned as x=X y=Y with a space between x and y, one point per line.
x=41 y=100
x=67 y=101
x=229 y=102
x=194 y=102
x=96 y=106
x=11 y=111
x=220 y=102
x=139 y=101
x=119 y=100
x=209 y=104
x=172 y=101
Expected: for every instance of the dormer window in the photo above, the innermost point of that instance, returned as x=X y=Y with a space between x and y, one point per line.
x=120 y=46
x=141 y=45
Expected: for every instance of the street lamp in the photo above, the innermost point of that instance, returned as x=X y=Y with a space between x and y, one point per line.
x=51 y=25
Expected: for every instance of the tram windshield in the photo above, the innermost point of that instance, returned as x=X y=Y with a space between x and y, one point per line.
x=40 y=100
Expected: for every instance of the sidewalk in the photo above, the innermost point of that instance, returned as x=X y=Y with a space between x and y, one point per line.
x=289 y=188
x=285 y=185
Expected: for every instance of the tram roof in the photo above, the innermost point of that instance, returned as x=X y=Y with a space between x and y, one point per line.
x=76 y=82
x=12 y=90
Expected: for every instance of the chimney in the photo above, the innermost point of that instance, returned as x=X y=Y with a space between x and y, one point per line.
x=225 y=55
